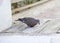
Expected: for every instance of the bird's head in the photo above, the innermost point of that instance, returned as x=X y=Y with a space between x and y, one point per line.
x=20 y=20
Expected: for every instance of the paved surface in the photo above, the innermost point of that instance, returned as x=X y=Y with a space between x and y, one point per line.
x=50 y=10
x=48 y=27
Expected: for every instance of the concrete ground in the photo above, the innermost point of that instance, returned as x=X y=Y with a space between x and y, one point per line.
x=48 y=27
x=49 y=10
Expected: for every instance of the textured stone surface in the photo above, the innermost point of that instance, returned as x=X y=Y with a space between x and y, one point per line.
x=50 y=10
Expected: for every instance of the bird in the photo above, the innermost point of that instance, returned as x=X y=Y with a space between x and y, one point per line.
x=30 y=22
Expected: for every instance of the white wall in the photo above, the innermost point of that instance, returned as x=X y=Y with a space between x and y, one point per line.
x=55 y=38
x=5 y=15
x=24 y=39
